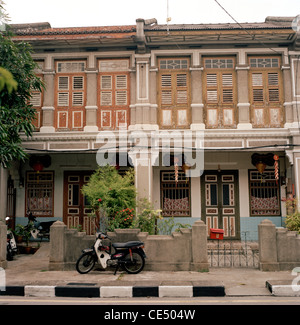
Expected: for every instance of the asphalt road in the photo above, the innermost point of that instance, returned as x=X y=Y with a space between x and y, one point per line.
x=249 y=300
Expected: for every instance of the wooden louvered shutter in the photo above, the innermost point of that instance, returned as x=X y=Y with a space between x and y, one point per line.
x=63 y=91
x=121 y=90
x=114 y=93
x=219 y=92
x=78 y=87
x=174 y=87
x=70 y=96
x=265 y=92
x=106 y=90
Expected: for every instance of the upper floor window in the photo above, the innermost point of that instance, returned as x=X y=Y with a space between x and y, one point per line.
x=70 y=94
x=219 y=92
x=114 y=93
x=174 y=93
x=266 y=92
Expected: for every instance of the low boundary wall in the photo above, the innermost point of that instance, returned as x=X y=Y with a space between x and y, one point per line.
x=279 y=249
x=185 y=250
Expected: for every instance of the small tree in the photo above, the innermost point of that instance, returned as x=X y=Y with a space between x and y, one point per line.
x=109 y=193
x=17 y=80
x=292 y=220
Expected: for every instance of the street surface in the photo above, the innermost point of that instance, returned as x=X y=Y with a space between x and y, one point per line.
x=247 y=300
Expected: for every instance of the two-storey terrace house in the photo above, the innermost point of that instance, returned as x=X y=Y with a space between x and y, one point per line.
x=170 y=100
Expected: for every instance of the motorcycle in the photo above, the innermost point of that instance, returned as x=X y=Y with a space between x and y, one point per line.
x=39 y=229
x=11 y=246
x=129 y=255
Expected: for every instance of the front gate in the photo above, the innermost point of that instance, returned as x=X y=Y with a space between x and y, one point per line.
x=230 y=253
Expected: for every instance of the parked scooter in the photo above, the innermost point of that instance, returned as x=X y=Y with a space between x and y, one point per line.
x=39 y=229
x=130 y=256
x=11 y=246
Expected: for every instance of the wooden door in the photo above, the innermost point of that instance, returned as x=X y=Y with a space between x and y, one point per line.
x=220 y=202
x=76 y=207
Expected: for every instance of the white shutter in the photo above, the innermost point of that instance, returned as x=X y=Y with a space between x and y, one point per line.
x=106 y=98
x=227 y=80
x=166 y=97
x=211 y=80
x=258 y=95
x=121 y=98
x=166 y=80
x=35 y=99
x=63 y=99
x=63 y=83
x=273 y=79
x=106 y=82
x=181 y=80
x=212 y=95
x=257 y=79
x=78 y=82
x=121 y=82
x=77 y=99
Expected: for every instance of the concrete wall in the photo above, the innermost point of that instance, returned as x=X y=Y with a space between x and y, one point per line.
x=279 y=249
x=182 y=251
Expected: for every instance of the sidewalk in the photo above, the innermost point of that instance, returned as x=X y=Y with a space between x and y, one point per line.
x=28 y=275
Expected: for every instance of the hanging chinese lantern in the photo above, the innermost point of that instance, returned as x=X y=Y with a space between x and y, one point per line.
x=276 y=168
x=260 y=166
x=38 y=166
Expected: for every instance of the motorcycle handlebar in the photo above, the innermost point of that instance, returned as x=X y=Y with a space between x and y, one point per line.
x=101 y=235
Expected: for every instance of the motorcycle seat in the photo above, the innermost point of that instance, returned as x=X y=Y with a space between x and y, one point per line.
x=127 y=244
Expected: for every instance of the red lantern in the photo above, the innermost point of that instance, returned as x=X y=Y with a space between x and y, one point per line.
x=38 y=167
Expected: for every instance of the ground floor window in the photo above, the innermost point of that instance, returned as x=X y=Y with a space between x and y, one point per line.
x=264 y=193
x=175 y=194
x=40 y=193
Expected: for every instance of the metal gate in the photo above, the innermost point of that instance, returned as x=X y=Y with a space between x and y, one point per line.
x=230 y=253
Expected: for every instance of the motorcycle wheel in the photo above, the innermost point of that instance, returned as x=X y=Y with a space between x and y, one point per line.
x=135 y=265
x=10 y=254
x=85 y=263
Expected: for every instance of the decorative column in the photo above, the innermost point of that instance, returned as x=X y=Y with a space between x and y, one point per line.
x=243 y=106
x=197 y=106
x=199 y=247
x=142 y=110
x=91 y=101
x=48 y=104
x=288 y=105
x=267 y=246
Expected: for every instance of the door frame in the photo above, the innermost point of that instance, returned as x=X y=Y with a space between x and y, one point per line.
x=219 y=199
x=81 y=175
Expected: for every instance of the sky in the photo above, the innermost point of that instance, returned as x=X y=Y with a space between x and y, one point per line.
x=77 y=13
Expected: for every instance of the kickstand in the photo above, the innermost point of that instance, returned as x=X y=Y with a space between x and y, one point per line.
x=116 y=269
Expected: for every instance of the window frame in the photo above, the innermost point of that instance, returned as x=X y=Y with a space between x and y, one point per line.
x=224 y=95
x=184 y=183
x=38 y=184
x=275 y=187
x=177 y=95
x=265 y=108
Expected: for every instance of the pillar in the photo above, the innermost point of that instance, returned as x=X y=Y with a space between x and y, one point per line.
x=57 y=247
x=197 y=99
x=199 y=247
x=243 y=105
x=48 y=104
x=3 y=227
x=267 y=246
x=91 y=104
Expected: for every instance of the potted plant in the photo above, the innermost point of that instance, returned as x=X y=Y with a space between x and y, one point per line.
x=19 y=233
